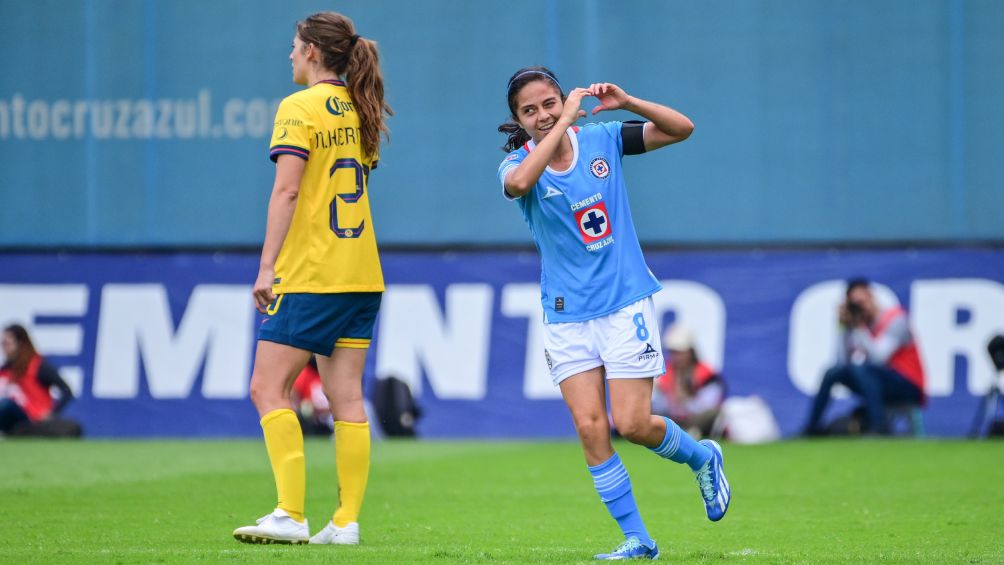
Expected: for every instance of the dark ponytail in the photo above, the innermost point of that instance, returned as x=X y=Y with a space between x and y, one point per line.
x=517 y=136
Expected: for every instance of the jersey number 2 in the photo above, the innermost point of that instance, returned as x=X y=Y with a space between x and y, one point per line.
x=362 y=176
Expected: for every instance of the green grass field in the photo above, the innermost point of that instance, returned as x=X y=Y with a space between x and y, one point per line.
x=505 y=502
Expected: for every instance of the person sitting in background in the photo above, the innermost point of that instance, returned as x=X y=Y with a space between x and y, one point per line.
x=877 y=359
x=690 y=392
x=310 y=402
x=26 y=380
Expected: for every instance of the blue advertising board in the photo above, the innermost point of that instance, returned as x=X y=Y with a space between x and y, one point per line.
x=162 y=344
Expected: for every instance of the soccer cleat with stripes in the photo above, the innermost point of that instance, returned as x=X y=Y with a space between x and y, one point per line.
x=715 y=489
x=332 y=534
x=632 y=548
x=277 y=527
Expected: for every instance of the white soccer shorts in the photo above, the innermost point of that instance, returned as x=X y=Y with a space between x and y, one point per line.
x=625 y=342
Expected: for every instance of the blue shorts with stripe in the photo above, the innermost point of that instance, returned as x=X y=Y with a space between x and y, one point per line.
x=321 y=322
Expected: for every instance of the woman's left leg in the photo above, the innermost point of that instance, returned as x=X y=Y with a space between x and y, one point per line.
x=276 y=366
x=275 y=369
x=630 y=406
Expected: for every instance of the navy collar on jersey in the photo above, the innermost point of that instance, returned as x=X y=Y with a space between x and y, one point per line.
x=333 y=81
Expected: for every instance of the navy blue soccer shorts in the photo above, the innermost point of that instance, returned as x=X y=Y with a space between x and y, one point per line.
x=321 y=322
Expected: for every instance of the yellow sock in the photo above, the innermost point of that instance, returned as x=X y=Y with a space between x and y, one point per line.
x=284 y=442
x=352 y=459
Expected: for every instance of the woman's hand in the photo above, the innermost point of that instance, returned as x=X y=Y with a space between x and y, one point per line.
x=666 y=124
x=262 y=290
x=611 y=96
x=572 y=110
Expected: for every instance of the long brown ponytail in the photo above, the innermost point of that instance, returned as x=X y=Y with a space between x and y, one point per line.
x=366 y=89
x=357 y=59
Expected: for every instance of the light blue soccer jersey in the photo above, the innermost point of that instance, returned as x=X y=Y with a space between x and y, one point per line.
x=580 y=220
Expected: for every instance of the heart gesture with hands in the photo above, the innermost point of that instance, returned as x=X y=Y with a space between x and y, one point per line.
x=611 y=96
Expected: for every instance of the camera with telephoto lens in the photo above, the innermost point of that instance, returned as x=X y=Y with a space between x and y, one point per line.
x=855 y=309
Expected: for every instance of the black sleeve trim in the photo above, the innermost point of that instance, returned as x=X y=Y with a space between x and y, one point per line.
x=633 y=137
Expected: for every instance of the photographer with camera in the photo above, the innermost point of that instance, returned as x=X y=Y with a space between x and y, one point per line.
x=877 y=359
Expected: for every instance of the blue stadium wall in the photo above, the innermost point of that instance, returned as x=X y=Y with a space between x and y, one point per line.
x=145 y=123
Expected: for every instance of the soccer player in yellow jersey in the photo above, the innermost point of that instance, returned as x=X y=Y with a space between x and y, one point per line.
x=320 y=281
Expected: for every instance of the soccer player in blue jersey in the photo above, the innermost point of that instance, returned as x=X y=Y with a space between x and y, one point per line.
x=600 y=330
x=320 y=281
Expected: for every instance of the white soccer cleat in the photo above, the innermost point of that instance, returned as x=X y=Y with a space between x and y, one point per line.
x=332 y=534
x=276 y=527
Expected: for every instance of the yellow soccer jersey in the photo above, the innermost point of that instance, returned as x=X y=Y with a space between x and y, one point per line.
x=330 y=246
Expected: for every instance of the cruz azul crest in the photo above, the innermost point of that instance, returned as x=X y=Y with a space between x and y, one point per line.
x=599 y=168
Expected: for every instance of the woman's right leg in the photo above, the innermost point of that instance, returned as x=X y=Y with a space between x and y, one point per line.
x=585 y=395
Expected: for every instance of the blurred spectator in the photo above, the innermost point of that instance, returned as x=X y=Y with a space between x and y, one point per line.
x=691 y=392
x=26 y=384
x=310 y=402
x=987 y=422
x=877 y=359
x=313 y=408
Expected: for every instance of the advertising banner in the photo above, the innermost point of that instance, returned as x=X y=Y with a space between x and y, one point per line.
x=162 y=344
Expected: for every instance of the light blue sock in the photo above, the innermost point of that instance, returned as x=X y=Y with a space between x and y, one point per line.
x=680 y=447
x=614 y=486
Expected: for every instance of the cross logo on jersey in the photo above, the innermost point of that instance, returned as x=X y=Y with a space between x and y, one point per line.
x=594 y=222
x=599 y=168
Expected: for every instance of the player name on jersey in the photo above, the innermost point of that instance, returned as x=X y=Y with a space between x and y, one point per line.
x=337 y=137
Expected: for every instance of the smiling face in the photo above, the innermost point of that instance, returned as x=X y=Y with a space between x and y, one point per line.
x=298 y=56
x=538 y=107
